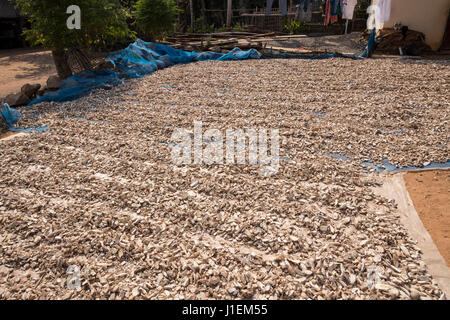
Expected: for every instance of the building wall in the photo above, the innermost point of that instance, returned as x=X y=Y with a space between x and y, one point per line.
x=427 y=16
x=7 y=10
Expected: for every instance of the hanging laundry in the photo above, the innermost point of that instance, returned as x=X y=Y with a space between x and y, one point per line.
x=305 y=5
x=283 y=7
x=304 y=11
x=269 y=7
x=348 y=7
x=329 y=18
x=384 y=12
x=334 y=7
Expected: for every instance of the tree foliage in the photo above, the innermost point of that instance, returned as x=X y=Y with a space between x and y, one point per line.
x=102 y=22
x=156 y=17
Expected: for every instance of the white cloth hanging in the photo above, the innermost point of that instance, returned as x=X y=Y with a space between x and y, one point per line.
x=301 y=14
x=348 y=7
x=384 y=12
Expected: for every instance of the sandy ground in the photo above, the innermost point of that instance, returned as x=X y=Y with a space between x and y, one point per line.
x=21 y=66
x=429 y=191
x=99 y=190
x=7 y=134
x=349 y=44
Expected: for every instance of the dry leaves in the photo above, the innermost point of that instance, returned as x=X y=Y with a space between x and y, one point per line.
x=104 y=195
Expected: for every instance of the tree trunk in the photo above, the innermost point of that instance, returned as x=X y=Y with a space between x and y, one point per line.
x=62 y=67
x=229 y=13
x=191 y=5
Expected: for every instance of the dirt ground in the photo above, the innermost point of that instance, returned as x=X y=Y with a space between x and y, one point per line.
x=350 y=43
x=429 y=191
x=21 y=66
x=4 y=135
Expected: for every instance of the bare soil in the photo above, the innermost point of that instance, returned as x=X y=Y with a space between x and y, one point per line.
x=349 y=43
x=6 y=134
x=429 y=191
x=21 y=66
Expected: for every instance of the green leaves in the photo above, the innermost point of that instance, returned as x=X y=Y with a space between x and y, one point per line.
x=156 y=17
x=103 y=22
x=296 y=27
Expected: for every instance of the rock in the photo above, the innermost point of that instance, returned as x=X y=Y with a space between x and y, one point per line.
x=30 y=90
x=17 y=99
x=53 y=83
x=107 y=65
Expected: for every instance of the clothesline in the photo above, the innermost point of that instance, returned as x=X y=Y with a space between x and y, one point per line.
x=332 y=9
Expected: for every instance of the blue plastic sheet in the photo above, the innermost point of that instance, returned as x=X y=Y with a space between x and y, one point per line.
x=387 y=166
x=142 y=58
x=391 y=167
x=11 y=116
x=370 y=46
x=138 y=60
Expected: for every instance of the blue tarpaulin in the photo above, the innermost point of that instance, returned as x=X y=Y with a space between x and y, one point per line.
x=368 y=51
x=11 y=116
x=138 y=60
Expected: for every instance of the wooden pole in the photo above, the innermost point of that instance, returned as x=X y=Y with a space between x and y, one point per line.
x=229 y=13
x=192 y=15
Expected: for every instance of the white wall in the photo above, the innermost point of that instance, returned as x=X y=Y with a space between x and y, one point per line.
x=427 y=16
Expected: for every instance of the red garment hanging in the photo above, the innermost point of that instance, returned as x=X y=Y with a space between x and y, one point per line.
x=329 y=19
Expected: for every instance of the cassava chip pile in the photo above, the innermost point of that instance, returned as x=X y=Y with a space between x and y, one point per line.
x=99 y=190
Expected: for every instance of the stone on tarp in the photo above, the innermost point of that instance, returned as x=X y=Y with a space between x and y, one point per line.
x=106 y=65
x=53 y=83
x=30 y=90
x=17 y=99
